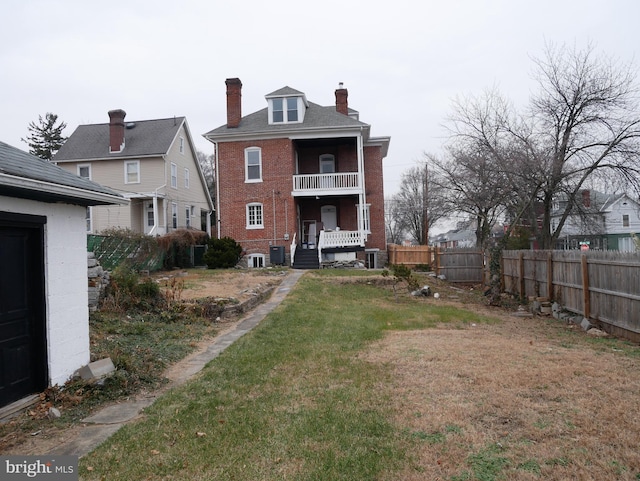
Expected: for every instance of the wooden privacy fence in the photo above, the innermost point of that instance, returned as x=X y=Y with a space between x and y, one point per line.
x=600 y=285
x=457 y=265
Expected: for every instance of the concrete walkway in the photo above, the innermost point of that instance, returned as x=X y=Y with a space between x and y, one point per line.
x=102 y=424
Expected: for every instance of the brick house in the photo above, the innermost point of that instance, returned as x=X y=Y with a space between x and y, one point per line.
x=298 y=182
x=152 y=163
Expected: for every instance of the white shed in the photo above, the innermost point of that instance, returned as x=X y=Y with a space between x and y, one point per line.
x=44 y=317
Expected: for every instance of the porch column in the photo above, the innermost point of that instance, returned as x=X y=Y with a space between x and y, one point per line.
x=155 y=214
x=362 y=196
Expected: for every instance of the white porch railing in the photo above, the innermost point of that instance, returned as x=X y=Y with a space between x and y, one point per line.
x=339 y=238
x=293 y=248
x=339 y=181
x=343 y=238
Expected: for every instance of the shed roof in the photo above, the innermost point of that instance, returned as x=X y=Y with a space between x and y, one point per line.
x=27 y=176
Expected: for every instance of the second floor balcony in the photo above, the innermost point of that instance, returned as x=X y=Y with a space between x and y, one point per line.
x=337 y=183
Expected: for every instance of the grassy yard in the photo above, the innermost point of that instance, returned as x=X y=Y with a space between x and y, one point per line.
x=345 y=382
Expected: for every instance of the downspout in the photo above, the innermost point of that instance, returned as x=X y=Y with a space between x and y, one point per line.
x=273 y=198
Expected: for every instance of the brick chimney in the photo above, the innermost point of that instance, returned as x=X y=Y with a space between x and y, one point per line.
x=116 y=130
x=342 y=105
x=234 y=102
x=586 y=198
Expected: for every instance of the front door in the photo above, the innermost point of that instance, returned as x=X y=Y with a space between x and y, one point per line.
x=23 y=354
x=329 y=217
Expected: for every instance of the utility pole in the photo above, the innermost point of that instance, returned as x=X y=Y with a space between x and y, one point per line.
x=425 y=204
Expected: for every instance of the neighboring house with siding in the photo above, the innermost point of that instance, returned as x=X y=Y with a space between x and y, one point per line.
x=300 y=179
x=599 y=221
x=44 y=314
x=152 y=163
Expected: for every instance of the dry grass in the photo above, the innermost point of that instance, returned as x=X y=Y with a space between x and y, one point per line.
x=514 y=400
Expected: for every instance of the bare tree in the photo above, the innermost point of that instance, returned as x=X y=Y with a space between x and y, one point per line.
x=587 y=124
x=208 y=166
x=419 y=204
x=475 y=186
x=394 y=221
x=582 y=126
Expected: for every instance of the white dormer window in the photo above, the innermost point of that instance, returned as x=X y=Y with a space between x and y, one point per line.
x=284 y=110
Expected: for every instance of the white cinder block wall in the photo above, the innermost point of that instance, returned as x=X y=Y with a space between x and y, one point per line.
x=65 y=284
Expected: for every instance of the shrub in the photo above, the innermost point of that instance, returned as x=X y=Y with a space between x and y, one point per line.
x=127 y=291
x=177 y=246
x=222 y=253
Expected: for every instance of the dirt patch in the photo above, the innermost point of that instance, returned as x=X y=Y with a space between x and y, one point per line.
x=523 y=394
x=239 y=285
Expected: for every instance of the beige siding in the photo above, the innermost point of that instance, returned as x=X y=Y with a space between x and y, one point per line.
x=195 y=195
x=107 y=216
x=155 y=178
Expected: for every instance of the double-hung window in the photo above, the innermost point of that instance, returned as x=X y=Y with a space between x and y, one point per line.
x=253 y=164
x=363 y=214
x=132 y=172
x=174 y=215
x=174 y=175
x=284 y=110
x=186 y=178
x=254 y=216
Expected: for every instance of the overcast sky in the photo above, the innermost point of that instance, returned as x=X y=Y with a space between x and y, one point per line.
x=403 y=61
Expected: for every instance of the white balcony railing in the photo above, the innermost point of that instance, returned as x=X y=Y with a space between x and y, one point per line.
x=339 y=181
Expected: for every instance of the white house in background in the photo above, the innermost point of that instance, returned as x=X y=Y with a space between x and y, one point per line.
x=44 y=315
x=151 y=162
x=601 y=222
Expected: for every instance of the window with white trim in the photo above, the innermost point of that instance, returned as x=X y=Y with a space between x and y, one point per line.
x=625 y=220
x=327 y=164
x=132 y=172
x=181 y=140
x=174 y=175
x=254 y=216
x=256 y=261
x=174 y=215
x=150 y=217
x=363 y=211
x=84 y=171
x=186 y=178
x=283 y=110
x=253 y=164
x=88 y=220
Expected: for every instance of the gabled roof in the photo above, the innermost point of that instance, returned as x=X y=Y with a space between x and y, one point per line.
x=316 y=117
x=26 y=176
x=285 y=92
x=142 y=139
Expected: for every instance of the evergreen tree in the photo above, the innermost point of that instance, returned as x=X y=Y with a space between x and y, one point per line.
x=45 y=138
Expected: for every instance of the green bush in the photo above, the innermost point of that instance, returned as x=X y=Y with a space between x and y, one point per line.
x=222 y=253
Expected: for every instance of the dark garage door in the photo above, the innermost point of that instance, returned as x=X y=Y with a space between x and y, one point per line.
x=23 y=365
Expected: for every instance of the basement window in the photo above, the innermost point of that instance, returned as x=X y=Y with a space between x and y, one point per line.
x=255 y=261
